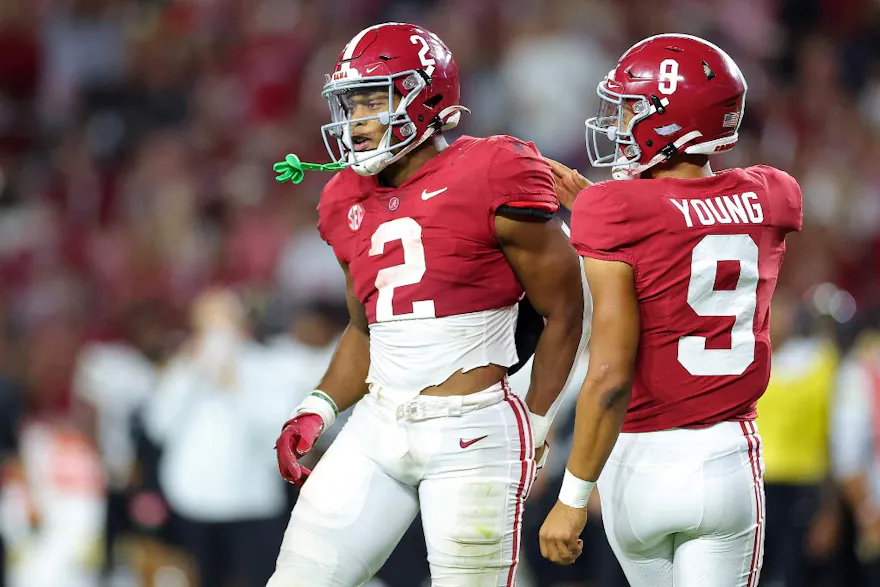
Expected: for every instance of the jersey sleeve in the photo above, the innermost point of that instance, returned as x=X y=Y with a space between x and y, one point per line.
x=323 y=229
x=786 y=198
x=600 y=226
x=331 y=219
x=520 y=178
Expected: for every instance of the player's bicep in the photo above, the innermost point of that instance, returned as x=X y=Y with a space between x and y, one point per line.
x=543 y=261
x=615 y=326
x=357 y=314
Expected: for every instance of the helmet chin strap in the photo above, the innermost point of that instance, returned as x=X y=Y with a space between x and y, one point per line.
x=634 y=170
x=375 y=163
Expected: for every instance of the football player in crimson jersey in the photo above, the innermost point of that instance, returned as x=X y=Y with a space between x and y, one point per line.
x=682 y=263
x=438 y=243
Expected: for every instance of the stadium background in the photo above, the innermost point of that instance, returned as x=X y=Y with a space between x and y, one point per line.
x=136 y=144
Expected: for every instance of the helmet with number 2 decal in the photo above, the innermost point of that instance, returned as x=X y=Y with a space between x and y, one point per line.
x=668 y=94
x=393 y=57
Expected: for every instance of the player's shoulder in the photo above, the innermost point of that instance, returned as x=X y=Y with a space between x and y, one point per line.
x=511 y=172
x=495 y=144
x=783 y=192
x=621 y=199
x=344 y=188
x=512 y=155
x=339 y=201
x=499 y=155
x=509 y=144
x=605 y=223
x=774 y=179
x=499 y=151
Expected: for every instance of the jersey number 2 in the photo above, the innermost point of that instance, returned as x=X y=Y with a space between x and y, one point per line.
x=411 y=271
x=739 y=303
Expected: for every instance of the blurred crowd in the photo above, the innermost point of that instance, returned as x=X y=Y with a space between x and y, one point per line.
x=164 y=303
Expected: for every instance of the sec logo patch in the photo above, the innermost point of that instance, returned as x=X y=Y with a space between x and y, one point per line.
x=355 y=217
x=393 y=204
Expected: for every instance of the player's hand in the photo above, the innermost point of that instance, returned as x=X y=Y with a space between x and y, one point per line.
x=560 y=535
x=569 y=182
x=298 y=436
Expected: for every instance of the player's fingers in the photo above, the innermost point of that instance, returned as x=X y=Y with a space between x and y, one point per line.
x=576 y=549
x=576 y=182
x=579 y=180
x=548 y=545
x=304 y=473
x=562 y=553
x=563 y=186
x=301 y=445
x=550 y=551
x=285 y=456
x=290 y=472
x=558 y=169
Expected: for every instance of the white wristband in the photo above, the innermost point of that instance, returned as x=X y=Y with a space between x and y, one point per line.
x=575 y=492
x=540 y=428
x=319 y=403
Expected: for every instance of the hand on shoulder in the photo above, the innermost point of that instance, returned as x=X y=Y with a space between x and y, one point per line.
x=569 y=182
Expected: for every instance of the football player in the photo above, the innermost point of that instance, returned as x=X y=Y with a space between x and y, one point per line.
x=682 y=262
x=438 y=243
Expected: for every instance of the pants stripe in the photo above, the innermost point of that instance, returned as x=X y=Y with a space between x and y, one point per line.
x=754 y=443
x=522 y=423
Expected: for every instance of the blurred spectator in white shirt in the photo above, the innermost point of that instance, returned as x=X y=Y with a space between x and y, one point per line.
x=215 y=415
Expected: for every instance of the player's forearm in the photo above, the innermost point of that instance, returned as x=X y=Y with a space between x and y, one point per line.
x=345 y=380
x=554 y=357
x=601 y=409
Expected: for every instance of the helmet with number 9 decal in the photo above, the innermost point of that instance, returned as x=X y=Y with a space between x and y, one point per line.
x=669 y=94
x=393 y=57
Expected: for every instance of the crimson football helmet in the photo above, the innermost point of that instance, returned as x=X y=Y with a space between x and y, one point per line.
x=668 y=94
x=394 y=57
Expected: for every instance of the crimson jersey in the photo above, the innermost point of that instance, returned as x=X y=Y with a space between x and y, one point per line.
x=427 y=248
x=706 y=255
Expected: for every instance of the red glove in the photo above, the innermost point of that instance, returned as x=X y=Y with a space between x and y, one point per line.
x=297 y=438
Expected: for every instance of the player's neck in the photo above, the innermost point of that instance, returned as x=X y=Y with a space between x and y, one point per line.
x=400 y=171
x=686 y=167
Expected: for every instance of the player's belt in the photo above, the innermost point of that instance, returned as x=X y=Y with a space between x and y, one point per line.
x=427 y=407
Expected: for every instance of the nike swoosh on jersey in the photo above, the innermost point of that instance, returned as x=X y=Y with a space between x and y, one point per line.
x=426 y=195
x=464 y=444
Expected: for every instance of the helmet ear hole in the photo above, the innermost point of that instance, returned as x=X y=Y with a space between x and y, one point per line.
x=433 y=101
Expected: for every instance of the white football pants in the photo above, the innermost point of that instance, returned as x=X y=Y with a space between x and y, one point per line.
x=686 y=507
x=467 y=462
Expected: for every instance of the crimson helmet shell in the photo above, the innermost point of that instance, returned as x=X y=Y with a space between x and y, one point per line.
x=403 y=58
x=686 y=94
